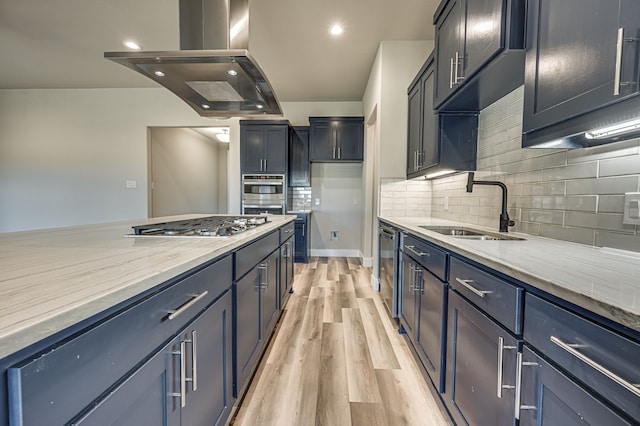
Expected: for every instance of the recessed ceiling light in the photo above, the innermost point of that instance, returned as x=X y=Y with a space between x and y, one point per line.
x=159 y=73
x=132 y=45
x=336 y=29
x=232 y=72
x=260 y=106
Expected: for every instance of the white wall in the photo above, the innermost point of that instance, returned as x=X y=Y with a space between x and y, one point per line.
x=66 y=154
x=184 y=172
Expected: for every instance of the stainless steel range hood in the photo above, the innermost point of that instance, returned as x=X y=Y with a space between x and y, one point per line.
x=213 y=72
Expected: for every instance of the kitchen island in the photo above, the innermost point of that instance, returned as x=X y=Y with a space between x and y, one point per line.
x=59 y=285
x=512 y=327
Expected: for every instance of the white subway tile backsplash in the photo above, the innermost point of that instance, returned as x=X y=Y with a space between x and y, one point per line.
x=572 y=195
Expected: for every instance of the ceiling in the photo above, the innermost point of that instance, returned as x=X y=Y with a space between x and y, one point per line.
x=60 y=44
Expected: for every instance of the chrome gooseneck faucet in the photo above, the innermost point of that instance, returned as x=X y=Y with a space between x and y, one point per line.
x=505 y=222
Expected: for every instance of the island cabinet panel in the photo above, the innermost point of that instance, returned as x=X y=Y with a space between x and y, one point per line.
x=59 y=384
x=187 y=382
x=302 y=239
x=581 y=55
x=286 y=271
x=250 y=255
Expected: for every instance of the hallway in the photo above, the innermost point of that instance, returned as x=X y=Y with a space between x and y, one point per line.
x=337 y=359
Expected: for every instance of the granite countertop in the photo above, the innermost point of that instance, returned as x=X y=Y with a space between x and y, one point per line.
x=53 y=278
x=604 y=281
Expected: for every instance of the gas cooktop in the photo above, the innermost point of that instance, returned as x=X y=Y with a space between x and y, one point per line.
x=209 y=227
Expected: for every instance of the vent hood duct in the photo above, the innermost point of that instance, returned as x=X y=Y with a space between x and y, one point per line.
x=213 y=72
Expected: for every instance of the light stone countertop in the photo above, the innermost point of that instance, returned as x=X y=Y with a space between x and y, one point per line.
x=51 y=279
x=604 y=281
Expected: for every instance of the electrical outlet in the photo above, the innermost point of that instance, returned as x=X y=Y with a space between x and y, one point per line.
x=334 y=235
x=631 y=208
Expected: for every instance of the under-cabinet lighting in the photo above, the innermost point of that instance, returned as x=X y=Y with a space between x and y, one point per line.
x=132 y=45
x=205 y=106
x=223 y=137
x=438 y=174
x=616 y=129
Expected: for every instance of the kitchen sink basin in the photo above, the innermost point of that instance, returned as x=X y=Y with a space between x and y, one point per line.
x=469 y=233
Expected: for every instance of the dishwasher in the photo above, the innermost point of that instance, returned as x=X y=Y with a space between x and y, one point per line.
x=388 y=240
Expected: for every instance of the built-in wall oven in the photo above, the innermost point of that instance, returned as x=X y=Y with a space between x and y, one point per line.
x=264 y=194
x=388 y=240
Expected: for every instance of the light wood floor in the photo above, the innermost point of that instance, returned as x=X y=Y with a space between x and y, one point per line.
x=337 y=359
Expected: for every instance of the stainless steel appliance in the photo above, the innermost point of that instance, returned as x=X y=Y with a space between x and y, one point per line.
x=388 y=266
x=263 y=194
x=206 y=227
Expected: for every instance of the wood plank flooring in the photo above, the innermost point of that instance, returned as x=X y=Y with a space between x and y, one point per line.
x=337 y=359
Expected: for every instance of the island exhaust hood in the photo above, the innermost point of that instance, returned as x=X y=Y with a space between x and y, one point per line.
x=213 y=72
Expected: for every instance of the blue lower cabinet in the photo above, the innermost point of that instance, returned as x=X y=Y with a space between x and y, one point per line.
x=480 y=368
x=549 y=397
x=302 y=238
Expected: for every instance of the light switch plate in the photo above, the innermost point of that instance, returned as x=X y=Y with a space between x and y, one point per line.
x=631 y=208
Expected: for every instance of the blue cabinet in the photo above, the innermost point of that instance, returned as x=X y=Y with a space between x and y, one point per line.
x=423 y=297
x=479 y=52
x=582 y=70
x=299 y=164
x=302 y=238
x=437 y=143
x=336 y=139
x=95 y=372
x=264 y=146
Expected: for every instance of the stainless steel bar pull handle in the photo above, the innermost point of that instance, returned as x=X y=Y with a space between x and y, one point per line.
x=618 y=74
x=501 y=349
x=417 y=286
x=194 y=360
x=264 y=283
x=571 y=348
x=519 y=366
x=457 y=79
x=190 y=303
x=339 y=153
x=183 y=376
x=417 y=253
x=479 y=293
x=451 y=75
x=413 y=277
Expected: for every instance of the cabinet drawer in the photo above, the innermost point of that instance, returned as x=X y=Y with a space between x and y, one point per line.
x=498 y=298
x=287 y=232
x=59 y=383
x=604 y=360
x=427 y=255
x=250 y=255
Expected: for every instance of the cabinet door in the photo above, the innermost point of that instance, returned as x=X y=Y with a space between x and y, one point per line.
x=299 y=166
x=275 y=148
x=430 y=331
x=144 y=398
x=300 y=243
x=408 y=296
x=551 y=398
x=209 y=365
x=269 y=286
x=429 y=154
x=571 y=57
x=251 y=149
x=350 y=140
x=449 y=32
x=322 y=141
x=414 y=131
x=481 y=367
x=484 y=35
x=248 y=326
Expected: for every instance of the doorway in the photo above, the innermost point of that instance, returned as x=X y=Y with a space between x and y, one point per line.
x=188 y=170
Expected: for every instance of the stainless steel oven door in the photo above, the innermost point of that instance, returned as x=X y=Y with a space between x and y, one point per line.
x=259 y=208
x=264 y=189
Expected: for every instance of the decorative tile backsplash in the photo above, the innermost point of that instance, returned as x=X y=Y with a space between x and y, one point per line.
x=573 y=195
x=404 y=198
x=299 y=198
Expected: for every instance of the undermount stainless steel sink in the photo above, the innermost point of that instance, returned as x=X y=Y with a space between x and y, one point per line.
x=469 y=233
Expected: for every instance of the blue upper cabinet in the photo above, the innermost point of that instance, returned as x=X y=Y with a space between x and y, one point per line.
x=264 y=146
x=336 y=139
x=479 y=52
x=582 y=70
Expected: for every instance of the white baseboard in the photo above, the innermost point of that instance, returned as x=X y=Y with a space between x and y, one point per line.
x=367 y=262
x=334 y=253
